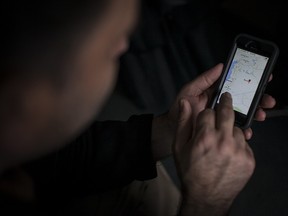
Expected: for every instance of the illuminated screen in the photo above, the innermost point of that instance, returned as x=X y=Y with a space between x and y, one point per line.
x=243 y=77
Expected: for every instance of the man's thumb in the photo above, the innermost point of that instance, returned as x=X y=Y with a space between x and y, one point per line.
x=207 y=79
x=184 y=130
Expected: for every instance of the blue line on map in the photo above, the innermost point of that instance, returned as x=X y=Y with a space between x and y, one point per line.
x=230 y=71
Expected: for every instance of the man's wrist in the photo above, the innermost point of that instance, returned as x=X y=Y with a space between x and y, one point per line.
x=188 y=209
x=162 y=136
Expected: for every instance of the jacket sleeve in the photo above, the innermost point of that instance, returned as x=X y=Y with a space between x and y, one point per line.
x=106 y=156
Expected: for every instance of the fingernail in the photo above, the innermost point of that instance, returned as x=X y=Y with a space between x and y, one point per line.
x=228 y=95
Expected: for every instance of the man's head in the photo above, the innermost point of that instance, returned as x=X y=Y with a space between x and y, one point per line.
x=59 y=63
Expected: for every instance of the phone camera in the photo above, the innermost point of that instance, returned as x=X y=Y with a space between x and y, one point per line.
x=251 y=45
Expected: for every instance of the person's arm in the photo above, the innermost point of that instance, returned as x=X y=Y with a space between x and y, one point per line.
x=214 y=161
x=108 y=155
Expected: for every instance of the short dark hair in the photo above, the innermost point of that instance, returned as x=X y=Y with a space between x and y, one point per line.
x=40 y=33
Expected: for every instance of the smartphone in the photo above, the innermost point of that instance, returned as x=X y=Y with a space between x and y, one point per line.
x=245 y=76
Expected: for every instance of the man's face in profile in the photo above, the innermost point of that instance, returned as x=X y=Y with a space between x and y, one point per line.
x=49 y=116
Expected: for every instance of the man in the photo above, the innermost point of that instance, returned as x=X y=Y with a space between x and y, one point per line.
x=59 y=65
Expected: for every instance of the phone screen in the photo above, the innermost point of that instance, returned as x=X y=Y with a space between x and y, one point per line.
x=243 y=78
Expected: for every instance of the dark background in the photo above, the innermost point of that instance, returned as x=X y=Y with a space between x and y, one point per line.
x=176 y=41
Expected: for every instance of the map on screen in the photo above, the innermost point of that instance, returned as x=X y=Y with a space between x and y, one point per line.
x=243 y=78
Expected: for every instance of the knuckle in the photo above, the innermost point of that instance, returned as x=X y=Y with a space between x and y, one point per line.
x=251 y=162
x=251 y=165
x=237 y=130
x=225 y=110
x=239 y=135
x=229 y=146
x=204 y=116
x=226 y=149
x=247 y=161
x=226 y=145
x=248 y=165
x=206 y=112
x=206 y=136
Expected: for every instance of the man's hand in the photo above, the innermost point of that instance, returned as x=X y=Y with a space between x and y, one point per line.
x=213 y=159
x=197 y=93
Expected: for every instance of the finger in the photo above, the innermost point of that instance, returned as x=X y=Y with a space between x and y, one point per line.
x=206 y=119
x=267 y=102
x=225 y=116
x=205 y=80
x=270 y=78
x=239 y=136
x=248 y=133
x=184 y=129
x=260 y=115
